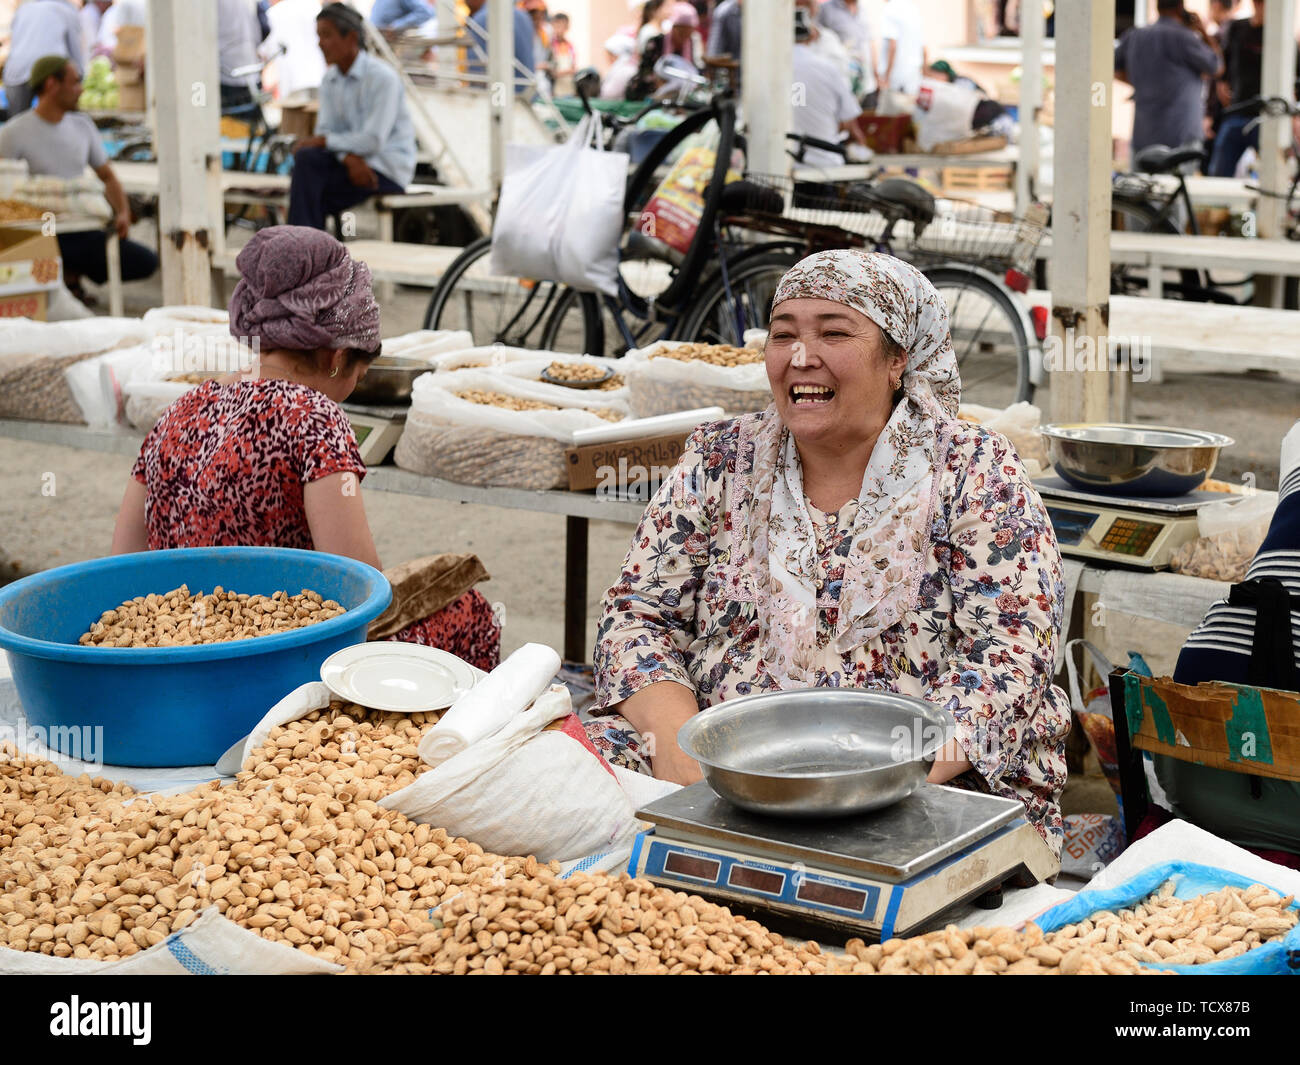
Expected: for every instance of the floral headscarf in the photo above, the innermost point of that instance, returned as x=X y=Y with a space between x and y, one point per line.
x=890 y=529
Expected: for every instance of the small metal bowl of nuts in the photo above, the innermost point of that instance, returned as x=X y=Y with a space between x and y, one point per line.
x=577 y=374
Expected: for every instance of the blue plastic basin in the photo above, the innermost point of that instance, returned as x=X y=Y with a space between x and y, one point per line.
x=173 y=706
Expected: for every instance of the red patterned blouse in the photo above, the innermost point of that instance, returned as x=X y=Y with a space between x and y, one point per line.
x=226 y=464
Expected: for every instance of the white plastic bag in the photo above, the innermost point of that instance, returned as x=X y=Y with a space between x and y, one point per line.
x=525 y=789
x=1231 y=534
x=560 y=215
x=1018 y=423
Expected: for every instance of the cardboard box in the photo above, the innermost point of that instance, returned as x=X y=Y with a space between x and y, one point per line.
x=885 y=133
x=33 y=305
x=1224 y=726
x=130 y=46
x=299 y=119
x=29 y=261
x=631 y=468
x=132 y=98
x=128 y=74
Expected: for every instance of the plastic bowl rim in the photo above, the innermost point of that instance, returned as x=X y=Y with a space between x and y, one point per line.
x=16 y=643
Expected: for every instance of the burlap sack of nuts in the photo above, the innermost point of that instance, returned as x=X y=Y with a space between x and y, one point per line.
x=670 y=376
x=484 y=428
x=35 y=357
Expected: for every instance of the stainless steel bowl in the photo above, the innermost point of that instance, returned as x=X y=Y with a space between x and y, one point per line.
x=389 y=380
x=1134 y=460
x=819 y=752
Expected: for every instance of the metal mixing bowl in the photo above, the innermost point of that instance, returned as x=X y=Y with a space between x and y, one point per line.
x=819 y=752
x=389 y=380
x=1134 y=460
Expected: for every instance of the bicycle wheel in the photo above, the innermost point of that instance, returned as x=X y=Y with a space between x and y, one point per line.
x=988 y=337
x=511 y=311
x=1138 y=216
x=725 y=310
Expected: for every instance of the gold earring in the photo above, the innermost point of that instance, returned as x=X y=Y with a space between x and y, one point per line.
x=334 y=372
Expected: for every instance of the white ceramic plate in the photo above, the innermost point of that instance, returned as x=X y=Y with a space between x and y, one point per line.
x=404 y=677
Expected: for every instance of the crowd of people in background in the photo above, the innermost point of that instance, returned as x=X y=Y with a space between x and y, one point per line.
x=1185 y=74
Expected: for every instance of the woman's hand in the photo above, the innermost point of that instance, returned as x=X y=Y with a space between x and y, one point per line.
x=657 y=711
x=949 y=762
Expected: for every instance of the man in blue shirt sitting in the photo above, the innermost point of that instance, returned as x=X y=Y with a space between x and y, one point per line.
x=403 y=14
x=365 y=142
x=525 y=59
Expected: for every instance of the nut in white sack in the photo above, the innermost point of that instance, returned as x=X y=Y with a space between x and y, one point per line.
x=659 y=385
x=210 y=946
x=525 y=789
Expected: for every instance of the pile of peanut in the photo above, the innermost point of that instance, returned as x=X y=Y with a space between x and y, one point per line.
x=717 y=354
x=564 y=373
x=1161 y=930
x=1217 y=558
x=296 y=850
x=536 y=923
x=500 y=399
x=19 y=211
x=179 y=619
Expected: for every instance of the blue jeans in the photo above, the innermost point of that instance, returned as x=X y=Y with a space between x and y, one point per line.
x=1230 y=145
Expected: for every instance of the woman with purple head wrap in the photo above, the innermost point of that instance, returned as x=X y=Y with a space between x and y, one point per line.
x=268 y=458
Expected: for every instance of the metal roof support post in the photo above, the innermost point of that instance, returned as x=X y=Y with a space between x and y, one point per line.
x=501 y=83
x=1076 y=350
x=1276 y=79
x=767 y=89
x=184 y=83
x=1031 y=99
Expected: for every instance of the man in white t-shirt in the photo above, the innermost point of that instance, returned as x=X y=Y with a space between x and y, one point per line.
x=293 y=26
x=824 y=105
x=903 y=46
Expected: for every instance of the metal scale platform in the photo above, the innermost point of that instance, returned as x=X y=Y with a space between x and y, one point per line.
x=878 y=875
x=1136 y=531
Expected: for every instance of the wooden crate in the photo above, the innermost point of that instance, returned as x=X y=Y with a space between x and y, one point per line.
x=958 y=179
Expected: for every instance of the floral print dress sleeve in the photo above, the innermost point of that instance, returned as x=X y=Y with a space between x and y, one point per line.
x=649 y=623
x=1000 y=559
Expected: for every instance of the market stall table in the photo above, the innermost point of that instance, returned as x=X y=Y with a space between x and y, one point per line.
x=578 y=509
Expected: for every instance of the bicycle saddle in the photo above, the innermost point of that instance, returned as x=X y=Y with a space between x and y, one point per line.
x=907 y=199
x=1158 y=159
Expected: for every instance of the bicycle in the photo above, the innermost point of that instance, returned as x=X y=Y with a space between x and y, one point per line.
x=978 y=260
x=1140 y=204
x=655 y=285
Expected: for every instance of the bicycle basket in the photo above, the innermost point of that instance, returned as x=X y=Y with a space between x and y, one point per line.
x=975 y=234
x=892 y=215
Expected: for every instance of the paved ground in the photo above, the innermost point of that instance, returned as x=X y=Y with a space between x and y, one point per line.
x=524 y=552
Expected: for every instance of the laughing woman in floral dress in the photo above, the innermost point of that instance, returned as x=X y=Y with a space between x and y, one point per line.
x=855 y=534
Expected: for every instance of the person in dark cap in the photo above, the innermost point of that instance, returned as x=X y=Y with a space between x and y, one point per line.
x=364 y=142
x=55 y=139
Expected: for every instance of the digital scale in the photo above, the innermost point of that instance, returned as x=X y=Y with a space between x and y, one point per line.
x=1137 y=531
x=377 y=429
x=877 y=875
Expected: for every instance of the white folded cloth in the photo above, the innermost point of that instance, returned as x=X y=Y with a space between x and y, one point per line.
x=506 y=691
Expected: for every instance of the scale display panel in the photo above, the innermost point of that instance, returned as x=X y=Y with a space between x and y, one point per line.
x=1071 y=525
